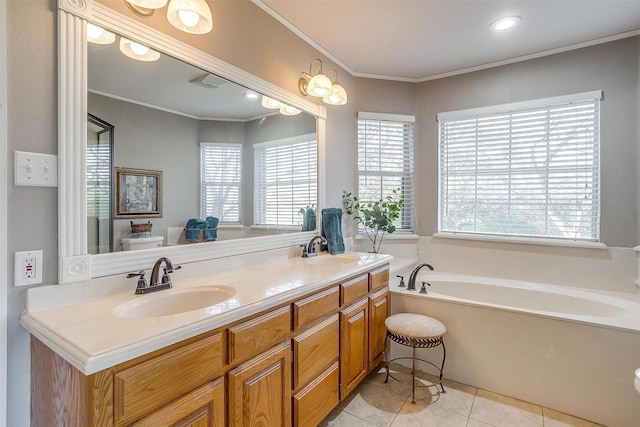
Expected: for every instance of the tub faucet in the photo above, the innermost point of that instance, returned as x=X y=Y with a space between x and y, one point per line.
x=412 y=278
x=155 y=285
x=310 y=249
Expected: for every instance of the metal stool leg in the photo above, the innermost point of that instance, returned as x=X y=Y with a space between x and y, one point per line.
x=413 y=377
x=386 y=357
x=444 y=357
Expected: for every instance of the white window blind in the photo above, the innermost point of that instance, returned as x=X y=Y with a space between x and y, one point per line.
x=98 y=181
x=285 y=179
x=385 y=161
x=220 y=175
x=529 y=169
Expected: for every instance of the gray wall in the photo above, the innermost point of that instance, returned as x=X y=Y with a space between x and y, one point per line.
x=239 y=38
x=611 y=67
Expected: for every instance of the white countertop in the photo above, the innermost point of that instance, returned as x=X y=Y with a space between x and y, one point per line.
x=91 y=337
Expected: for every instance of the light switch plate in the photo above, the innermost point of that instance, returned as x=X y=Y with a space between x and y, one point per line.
x=35 y=169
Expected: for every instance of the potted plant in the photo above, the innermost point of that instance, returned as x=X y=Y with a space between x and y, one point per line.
x=377 y=217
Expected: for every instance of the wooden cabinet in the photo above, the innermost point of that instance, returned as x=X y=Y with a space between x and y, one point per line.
x=287 y=366
x=260 y=390
x=378 y=312
x=203 y=407
x=354 y=345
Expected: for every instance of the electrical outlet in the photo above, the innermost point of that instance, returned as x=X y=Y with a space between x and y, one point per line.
x=28 y=268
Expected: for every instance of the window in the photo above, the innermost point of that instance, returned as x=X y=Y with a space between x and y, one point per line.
x=285 y=179
x=220 y=180
x=527 y=169
x=385 y=161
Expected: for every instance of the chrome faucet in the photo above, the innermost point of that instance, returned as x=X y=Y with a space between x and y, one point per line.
x=412 y=278
x=155 y=285
x=310 y=249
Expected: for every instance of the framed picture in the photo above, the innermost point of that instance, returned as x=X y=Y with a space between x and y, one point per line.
x=138 y=193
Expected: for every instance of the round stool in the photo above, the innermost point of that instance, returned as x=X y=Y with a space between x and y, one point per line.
x=416 y=331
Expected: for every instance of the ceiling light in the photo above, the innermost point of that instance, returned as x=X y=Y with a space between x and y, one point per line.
x=317 y=85
x=138 y=51
x=190 y=16
x=338 y=95
x=505 y=23
x=270 y=103
x=251 y=95
x=288 y=110
x=99 y=35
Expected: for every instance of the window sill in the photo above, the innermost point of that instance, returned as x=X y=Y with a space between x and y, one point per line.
x=522 y=240
x=393 y=236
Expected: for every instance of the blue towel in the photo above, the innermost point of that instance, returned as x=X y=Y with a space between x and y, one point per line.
x=309 y=220
x=332 y=230
x=212 y=222
x=192 y=229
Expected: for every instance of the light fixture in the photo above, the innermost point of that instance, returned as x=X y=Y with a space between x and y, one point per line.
x=317 y=85
x=190 y=16
x=270 y=103
x=138 y=51
x=288 y=110
x=338 y=95
x=252 y=96
x=99 y=35
x=505 y=23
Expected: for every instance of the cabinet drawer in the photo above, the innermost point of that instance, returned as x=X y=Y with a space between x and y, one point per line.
x=354 y=289
x=379 y=278
x=258 y=334
x=317 y=400
x=315 y=306
x=314 y=350
x=142 y=388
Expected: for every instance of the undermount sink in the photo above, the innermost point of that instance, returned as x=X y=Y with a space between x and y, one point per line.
x=173 y=301
x=340 y=259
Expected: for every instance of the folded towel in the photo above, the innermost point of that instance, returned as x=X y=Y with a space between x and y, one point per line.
x=196 y=223
x=309 y=220
x=192 y=235
x=210 y=234
x=212 y=222
x=332 y=230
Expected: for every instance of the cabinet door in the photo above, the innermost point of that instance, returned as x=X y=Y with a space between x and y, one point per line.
x=260 y=390
x=354 y=346
x=378 y=312
x=317 y=399
x=314 y=350
x=203 y=407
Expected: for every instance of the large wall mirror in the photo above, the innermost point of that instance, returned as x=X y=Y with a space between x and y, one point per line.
x=194 y=121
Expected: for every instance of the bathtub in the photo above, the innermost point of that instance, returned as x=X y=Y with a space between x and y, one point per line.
x=565 y=348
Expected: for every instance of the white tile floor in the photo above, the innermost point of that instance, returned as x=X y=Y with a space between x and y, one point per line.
x=376 y=404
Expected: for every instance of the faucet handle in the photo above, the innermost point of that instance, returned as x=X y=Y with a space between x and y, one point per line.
x=423 y=289
x=401 y=285
x=304 y=251
x=142 y=281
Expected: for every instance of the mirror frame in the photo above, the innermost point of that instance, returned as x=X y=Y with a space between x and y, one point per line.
x=75 y=264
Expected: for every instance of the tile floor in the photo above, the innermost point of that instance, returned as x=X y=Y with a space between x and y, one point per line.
x=376 y=404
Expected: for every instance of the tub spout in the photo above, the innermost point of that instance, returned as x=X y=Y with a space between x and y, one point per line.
x=412 y=278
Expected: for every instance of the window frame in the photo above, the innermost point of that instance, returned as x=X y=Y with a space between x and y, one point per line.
x=238 y=184
x=407 y=218
x=495 y=110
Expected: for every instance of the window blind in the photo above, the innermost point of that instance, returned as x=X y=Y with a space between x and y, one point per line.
x=285 y=180
x=220 y=174
x=531 y=171
x=98 y=181
x=385 y=161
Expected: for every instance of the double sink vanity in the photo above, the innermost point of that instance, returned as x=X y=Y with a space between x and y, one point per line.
x=275 y=343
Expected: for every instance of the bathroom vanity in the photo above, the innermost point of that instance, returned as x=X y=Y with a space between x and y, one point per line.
x=296 y=336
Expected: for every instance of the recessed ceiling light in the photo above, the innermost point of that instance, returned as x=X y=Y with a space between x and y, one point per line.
x=505 y=23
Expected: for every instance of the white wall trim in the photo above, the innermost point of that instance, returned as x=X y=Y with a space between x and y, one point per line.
x=4 y=279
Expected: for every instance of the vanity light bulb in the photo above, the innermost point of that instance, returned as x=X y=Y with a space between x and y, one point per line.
x=139 y=49
x=94 y=32
x=189 y=17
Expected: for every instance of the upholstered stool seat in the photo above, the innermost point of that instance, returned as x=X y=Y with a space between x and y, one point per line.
x=416 y=331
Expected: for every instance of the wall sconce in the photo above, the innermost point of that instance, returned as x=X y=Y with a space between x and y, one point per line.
x=270 y=103
x=319 y=85
x=190 y=16
x=338 y=95
x=99 y=35
x=288 y=110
